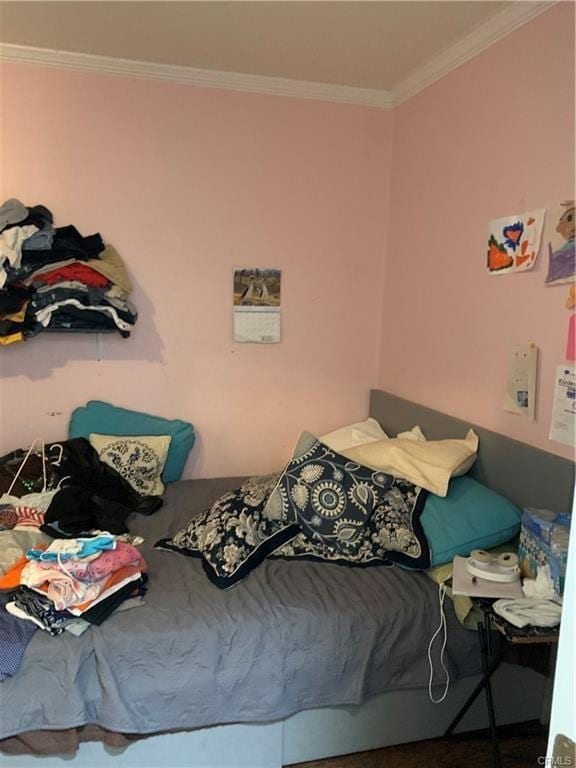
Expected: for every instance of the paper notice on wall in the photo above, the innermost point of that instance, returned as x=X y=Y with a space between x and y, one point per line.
x=521 y=388
x=257 y=305
x=564 y=406
x=514 y=242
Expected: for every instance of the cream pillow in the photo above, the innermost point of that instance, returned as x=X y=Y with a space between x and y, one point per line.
x=360 y=433
x=429 y=464
x=413 y=434
x=139 y=459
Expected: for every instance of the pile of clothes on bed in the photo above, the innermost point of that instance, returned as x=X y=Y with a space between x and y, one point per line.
x=71 y=489
x=54 y=278
x=71 y=584
x=67 y=560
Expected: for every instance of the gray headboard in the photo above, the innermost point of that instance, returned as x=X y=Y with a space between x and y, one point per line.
x=528 y=476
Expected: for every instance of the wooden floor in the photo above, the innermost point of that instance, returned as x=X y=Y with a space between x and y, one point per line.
x=520 y=747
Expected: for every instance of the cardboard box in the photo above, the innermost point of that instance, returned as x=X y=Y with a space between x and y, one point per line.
x=544 y=541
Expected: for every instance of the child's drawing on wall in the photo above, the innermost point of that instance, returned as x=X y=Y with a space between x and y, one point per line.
x=559 y=237
x=514 y=242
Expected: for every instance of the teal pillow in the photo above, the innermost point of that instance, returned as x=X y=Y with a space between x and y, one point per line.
x=105 y=419
x=471 y=516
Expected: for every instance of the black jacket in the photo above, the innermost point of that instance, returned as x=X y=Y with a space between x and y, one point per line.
x=92 y=495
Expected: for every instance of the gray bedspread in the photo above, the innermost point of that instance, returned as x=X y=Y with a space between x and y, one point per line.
x=292 y=636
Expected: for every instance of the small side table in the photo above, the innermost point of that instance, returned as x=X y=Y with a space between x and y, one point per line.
x=491 y=659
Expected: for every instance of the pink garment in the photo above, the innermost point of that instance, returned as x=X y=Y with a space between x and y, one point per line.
x=62 y=589
x=131 y=574
x=67 y=592
x=78 y=568
x=112 y=560
x=96 y=568
x=29 y=517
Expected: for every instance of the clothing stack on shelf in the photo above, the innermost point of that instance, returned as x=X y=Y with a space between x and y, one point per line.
x=55 y=279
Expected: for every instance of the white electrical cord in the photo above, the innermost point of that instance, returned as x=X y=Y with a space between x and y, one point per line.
x=441 y=626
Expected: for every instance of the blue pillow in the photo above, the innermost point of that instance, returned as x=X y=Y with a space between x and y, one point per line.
x=471 y=516
x=105 y=419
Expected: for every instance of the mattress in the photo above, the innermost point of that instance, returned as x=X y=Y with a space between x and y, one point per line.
x=292 y=636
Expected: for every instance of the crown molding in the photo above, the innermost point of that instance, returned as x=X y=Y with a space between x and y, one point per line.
x=206 y=78
x=493 y=30
x=505 y=22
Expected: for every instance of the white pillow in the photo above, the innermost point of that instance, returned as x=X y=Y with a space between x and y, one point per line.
x=360 y=433
x=139 y=459
x=413 y=434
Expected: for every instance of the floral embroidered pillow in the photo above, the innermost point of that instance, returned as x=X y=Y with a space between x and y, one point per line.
x=140 y=460
x=394 y=534
x=233 y=536
x=348 y=513
x=395 y=526
x=369 y=553
x=329 y=496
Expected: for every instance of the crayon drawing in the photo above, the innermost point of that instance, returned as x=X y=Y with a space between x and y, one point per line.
x=514 y=242
x=559 y=240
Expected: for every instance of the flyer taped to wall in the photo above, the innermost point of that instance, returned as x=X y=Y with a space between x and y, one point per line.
x=257 y=305
x=520 y=395
x=514 y=242
x=564 y=406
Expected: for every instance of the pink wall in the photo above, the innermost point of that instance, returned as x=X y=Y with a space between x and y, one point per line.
x=187 y=183
x=492 y=138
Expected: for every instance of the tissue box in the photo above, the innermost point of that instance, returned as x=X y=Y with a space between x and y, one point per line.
x=544 y=541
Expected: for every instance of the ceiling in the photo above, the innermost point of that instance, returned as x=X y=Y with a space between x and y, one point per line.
x=361 y=44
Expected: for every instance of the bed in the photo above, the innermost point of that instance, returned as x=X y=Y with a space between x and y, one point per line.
x=301 y=661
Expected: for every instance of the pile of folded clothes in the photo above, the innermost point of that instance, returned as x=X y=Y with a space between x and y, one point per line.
x=74 y=583
x=67 y=586
x=56 y=279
